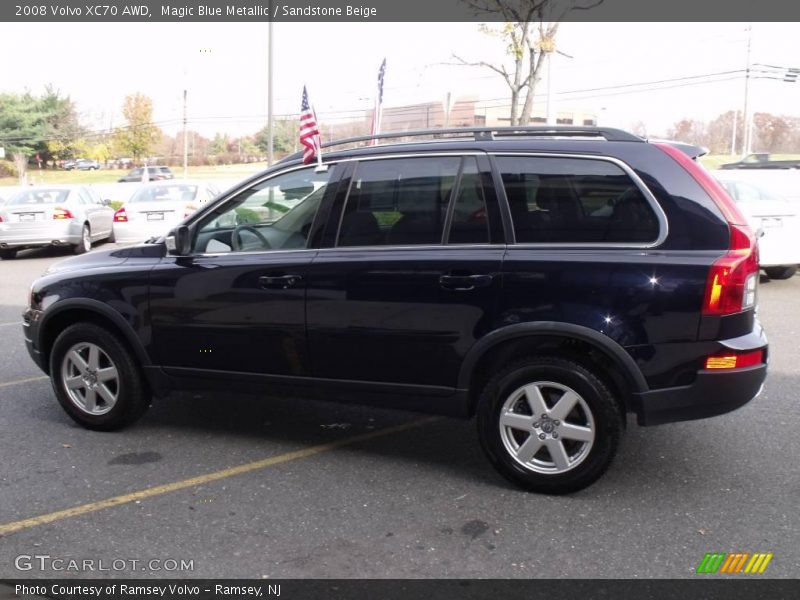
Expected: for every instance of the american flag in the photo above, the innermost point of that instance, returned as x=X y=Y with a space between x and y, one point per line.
x=309 y=130
x=376 y=115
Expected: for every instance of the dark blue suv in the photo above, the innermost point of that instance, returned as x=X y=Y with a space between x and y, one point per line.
x=545 y=280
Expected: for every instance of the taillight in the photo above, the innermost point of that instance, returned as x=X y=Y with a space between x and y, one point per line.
x=61 y=213
x=735 y=361
x=733 y=278
x=121 y=216
x=189 y=210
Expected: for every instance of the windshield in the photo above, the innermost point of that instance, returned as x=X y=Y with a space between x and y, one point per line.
x=39 y=196
x=165 y=193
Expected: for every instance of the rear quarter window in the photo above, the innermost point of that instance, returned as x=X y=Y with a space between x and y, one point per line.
x=575 y=201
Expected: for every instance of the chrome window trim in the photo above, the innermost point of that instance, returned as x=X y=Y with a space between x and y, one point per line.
x=651 y=199
x=358 y=249
x=661 y=217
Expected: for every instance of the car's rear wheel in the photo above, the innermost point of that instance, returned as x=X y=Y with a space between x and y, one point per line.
x=96 y=378
x=85 y=244
x=549 y=424
x=8 y=253
x=786 y=272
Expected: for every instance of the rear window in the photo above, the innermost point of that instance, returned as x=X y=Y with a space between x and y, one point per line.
x=575 y=200
x=165 y=193
x=39 y=196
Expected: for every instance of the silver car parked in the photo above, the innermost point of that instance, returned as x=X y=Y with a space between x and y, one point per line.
x=54 y=216
x=157 y=207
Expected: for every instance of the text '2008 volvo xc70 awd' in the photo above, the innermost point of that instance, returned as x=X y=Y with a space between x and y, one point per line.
x=545 y=280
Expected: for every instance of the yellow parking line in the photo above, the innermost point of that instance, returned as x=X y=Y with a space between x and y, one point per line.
x=18 y=381
x=83 y=509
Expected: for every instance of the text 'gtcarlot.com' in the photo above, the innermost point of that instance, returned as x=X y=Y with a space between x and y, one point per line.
x=45 y=562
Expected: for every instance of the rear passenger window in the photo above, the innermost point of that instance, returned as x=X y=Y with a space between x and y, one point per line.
x=398 y=202
x=575 y=200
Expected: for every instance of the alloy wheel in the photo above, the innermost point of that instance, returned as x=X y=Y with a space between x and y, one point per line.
x=547 y=427
x=90 y=378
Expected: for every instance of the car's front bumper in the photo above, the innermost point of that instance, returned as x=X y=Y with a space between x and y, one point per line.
x=713 y=392
x=30 y=327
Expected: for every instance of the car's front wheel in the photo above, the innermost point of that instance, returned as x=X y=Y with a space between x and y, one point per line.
x=786 y=272
x=549 y=424
x=96 y=378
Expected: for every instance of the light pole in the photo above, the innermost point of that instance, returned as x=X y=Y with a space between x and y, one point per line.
x=270 y=132
x=745 y=116
x=185 y=139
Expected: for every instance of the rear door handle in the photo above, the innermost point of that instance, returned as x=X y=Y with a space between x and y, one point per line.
x=465 y=282
x=278 y=282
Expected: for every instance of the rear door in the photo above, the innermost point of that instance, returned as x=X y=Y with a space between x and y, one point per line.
x=411 y=272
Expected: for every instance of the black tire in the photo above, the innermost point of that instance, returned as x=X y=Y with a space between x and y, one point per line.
x=132 y=396
x=81 y=247
x=605 y=412
x=786 y=272
x=8 y=253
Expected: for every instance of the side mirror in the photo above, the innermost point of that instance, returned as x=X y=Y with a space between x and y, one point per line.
x=179 y=241
x=106 y=202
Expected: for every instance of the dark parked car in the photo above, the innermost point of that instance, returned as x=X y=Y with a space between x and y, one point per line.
x=153 y=174
x=545 y=280
x=82 y=164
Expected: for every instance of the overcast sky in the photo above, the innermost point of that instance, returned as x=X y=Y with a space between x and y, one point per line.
x=224 y=67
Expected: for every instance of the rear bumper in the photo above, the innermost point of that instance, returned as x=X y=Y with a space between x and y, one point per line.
x=713 y=392
x=139 y=231
x=43 y=235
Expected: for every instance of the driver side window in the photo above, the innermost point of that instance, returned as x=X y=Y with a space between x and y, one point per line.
x=275 y=214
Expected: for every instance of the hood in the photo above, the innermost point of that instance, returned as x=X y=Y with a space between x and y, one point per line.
x=92 y=260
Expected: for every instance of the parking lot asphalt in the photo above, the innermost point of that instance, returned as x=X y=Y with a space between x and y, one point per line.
x=269 y=487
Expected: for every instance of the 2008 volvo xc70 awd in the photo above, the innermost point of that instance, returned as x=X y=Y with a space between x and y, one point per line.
x=546 y=280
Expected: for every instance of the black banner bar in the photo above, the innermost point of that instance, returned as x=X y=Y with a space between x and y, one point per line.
x=334 y=11
x=705 y=587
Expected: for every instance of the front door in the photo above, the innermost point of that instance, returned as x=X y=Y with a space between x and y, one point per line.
x=237 y=304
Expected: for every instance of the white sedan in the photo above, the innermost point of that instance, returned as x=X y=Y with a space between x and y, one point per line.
x=157 y=207
x=776 y=219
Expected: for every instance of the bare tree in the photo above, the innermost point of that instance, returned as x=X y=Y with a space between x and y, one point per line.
x=529 y=33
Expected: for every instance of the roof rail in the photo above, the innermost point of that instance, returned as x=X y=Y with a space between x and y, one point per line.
x=491 y=133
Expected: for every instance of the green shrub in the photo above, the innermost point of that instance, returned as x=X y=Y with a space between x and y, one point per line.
x=8 y=169
x=246 y=216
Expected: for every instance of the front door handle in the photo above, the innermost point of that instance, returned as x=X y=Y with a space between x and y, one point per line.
x=279 y=282
x=465 y=282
